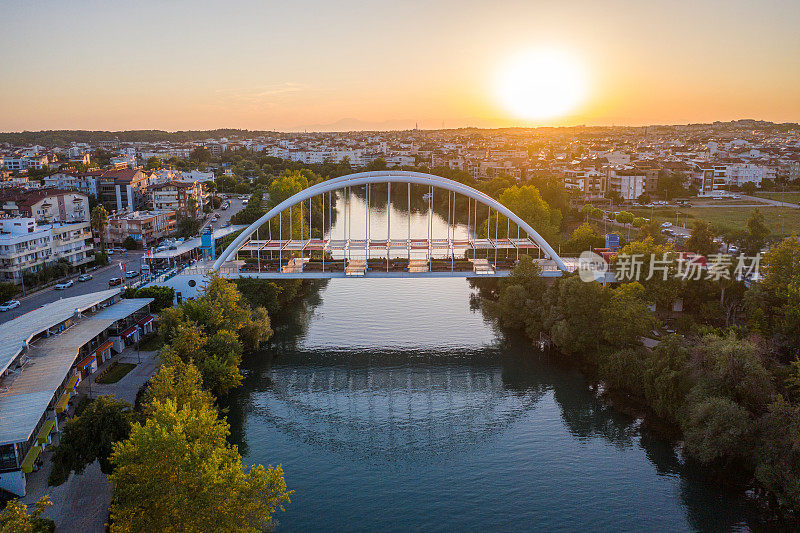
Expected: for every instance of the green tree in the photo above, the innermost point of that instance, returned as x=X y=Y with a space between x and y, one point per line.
x=177 y=472
x=626 y=317
x=666 y=380
x=778 y=453
x=701 y=241
x=153 y=163
x=623 y=369
x=574 y=314
x=89 y=437
x=99 y=221
x=14 y=518
x=625 y=217
x=756 y=234
x=717 y=428
x=7 y=291
x=528 y=204
x=519 y=303
x=585 y=237
x=180 y=382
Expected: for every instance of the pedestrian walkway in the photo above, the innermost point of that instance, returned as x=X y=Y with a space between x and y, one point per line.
x=81 y=504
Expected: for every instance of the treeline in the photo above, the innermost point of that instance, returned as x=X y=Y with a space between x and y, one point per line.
x=168 y=457
x=66 y=137
x=729 y=382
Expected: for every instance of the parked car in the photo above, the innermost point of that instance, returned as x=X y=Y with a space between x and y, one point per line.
x=131 y=274
x=85 y=277
x=110 y=251
x=113 y=282
x=64 y=285
x=9 y=305
x=666 y=225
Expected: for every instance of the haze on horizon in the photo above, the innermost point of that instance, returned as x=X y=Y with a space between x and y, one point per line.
x=348 y=65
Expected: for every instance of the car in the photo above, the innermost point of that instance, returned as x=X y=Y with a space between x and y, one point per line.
x=110 y=251
x=113 y=282
x=666 y=225
x=64 y=285
x=131 y=274
x=9 y=305
x=85 y=277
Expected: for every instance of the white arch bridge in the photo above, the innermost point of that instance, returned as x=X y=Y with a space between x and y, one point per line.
x=482 y=248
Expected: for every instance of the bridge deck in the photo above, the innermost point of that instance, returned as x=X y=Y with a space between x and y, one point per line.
x=344 y=245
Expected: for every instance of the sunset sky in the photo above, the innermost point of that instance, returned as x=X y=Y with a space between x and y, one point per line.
x=387 y=65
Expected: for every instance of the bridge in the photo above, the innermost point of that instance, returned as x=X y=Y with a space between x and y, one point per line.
x=482 y=248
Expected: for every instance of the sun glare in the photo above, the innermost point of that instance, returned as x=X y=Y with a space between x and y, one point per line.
x=541 y=84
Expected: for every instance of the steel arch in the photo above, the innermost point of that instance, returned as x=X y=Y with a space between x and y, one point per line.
x=388 y=176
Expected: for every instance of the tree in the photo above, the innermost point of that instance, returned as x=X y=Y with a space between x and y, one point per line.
x=666 y=379
x=130 y=243
x=89 y=437
x=178 y=472
x=192 y=207
x=778 y=454
x=519 y=303
x=153 y=163
x=623 y=370
x=14 y=518
x=585 y=237
x=626 y=318
x=180 y=382
x=201 y=154
x=756 y=234
x=528 y=204
x=727 y=366
x=701 y=241
x=717 y=428
x=573 y=314
x=163 y=296
x=625 y=217
x=99 y=221
x=7 y=291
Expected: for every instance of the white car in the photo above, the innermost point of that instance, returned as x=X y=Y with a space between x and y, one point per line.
x=131 y=274
x=85 y=277
x=666 y=225
x=64 y=285
x=9 y=305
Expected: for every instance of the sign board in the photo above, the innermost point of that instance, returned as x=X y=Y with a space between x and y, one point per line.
x=612 y=241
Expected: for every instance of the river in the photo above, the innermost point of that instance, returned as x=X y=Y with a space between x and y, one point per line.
x=393 y=404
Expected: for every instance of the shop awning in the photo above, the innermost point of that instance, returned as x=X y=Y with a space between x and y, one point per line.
x=128 y=332
x=146 y=320
x=103 y=347
x=33 y=454
x=46 y=429
x=86 y=361
x=61 y=406
x=72 y=382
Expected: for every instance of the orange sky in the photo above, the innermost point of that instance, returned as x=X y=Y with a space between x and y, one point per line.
x=386 y=65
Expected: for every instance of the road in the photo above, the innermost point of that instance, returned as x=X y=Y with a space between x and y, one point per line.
x=777 y=203
x=130 y=261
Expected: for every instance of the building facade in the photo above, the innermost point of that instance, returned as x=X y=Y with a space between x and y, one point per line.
x=145 y=227
x=26 y=247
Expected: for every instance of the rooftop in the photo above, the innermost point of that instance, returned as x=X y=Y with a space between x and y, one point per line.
x=25 y=395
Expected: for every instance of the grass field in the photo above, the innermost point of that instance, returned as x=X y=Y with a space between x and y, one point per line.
x=781 y=221
x=115 y=372
x=793 y=196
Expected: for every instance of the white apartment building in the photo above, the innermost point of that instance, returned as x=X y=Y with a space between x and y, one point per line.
x=740 y=173
x=630 y=184
x=26 y=246
x=25 y=162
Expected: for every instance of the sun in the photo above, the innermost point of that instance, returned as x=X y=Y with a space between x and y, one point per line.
x=541 y=84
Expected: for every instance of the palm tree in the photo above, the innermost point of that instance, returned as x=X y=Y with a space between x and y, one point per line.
x=99 y=222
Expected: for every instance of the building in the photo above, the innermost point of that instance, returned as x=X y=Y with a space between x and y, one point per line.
x=26 y=246
x=628 y=183
x=592 y=183
x=26 y=161
x=708 y=179
x=45 y=205
x=84 y=182
x=145 y=227
x=44 y=355
x=176 y=195
x=123 y=189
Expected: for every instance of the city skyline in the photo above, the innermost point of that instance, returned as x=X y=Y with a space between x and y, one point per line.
x=349 y=67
